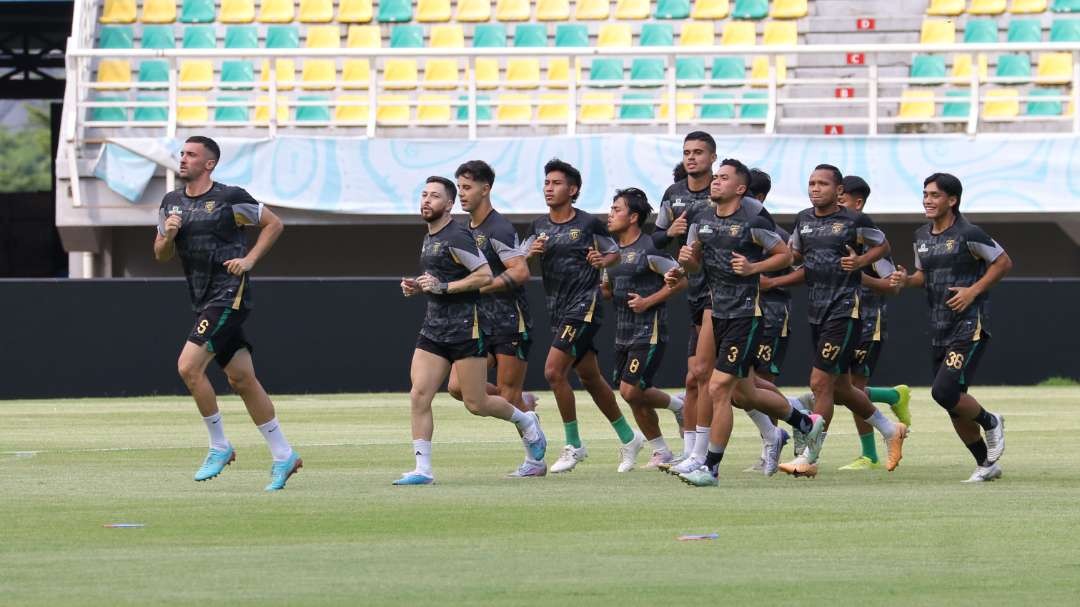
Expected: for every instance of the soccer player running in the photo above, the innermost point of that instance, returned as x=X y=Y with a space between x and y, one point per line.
x=454 y=271
x=958 y=263
x=825 y=237
x=573 y=246
x=203 y=223
x=636 y=284
x=732 y=245
x=681 y=202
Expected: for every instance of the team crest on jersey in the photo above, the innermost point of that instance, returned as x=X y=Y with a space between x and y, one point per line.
x=434 y=248
x=950 y=244
x=481 y=240
x=630 y=257
x=837 y=228
x=575 y=234
x=735 y=229
x=209 y=206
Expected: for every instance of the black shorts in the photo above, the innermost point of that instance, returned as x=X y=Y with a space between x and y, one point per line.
x=453 y=351
x=515 y=344
x=575 y=337
x=222 y=330
x=834 y=344
x=771 y=352
x=637 y=365
x=958 y=362
x=736 y=342
x=864 y=359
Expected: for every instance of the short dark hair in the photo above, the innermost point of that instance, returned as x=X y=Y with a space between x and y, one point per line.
x=856 y=186
x=636 y=202
x=838 y=177
x=477 y=170
x=760 y=184
x=702 y=136
x=948 y=183
x=740 y=170
x=207 y=143
x=451 y=189
x=572 y=175
x=679 y=173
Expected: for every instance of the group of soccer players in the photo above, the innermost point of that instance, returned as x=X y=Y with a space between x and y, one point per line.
x=713 y=238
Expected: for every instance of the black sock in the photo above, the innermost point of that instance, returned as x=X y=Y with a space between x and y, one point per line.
x=986 y=419
x=712 y=460
x=799 y=420
x=978 y=451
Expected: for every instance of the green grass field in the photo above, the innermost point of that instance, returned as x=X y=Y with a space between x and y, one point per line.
x=340 y=534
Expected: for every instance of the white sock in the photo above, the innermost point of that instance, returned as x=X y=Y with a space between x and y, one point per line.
x=422 y=450
x=659 y=444
x=764 y=424
x=279 y=447
x=701 y=444
x=525 y=423
x=216 y=427
x=675 y=403
x=883 y=424
x=688 y=438
x=797 y=404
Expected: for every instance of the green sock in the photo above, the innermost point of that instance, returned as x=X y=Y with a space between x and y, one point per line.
x=572 y=437
x=623 y=429
x=888 y=396
x=869 y=447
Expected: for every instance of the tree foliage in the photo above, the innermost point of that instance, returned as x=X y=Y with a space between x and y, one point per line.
x=25 y=165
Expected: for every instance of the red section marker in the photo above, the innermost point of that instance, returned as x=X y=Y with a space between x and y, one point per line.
x=865 y=24
x=834 y=129
x=844 y=92
x=855 y=59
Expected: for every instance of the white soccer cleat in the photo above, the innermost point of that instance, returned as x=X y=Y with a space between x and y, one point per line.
x=985 y=474
x=770 y=460
x=757 y=467
x=995 y=439
x=659 y=458
x=569 y=458
x=628 y=452
x=686 y=466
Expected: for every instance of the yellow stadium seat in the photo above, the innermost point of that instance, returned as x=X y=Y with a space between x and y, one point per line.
x=400 y=74
x=318 y=74
x=522 y=73
x=1001 y=103
x=433 y=11
x=276 y=11
x=615 y=34
x=917 y=104
x=701 y=33
x=284 y=71
x=963 y=64
x=356 y=74
x=487 y=73
x=759 y=71
x=116 y=71
x=512 y=10
x=364 y=36
x=631 y=9
x=789 y=9
x=779 y=33
x=158 y=11
x=1027 y=7
x=710 y=9
x=192 y=110
x=558 y=72
x=316 y=11
x=351 y=109
x=196 y=74
x=945 y=7
x=684 y=107
x=447 y=36
x=592 y=10
x=355 y=11
x=473 y=11
x=739 y=33
x=597 y=107
x=441 y=74
x=433 y=109
x=262 y=109
x=119 y=11
x=938 y=31
x=323 y=36
x=392 y=114
x=552 y=10
x=237 y=11
x=986 y=7
x=1055 y=68
x=555 y=108
x=513 y=108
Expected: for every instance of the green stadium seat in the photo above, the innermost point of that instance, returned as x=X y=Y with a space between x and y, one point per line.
x=1024 y=30
x=981 y=31
x=200 y=36
x=158 y=36
x=672 y=9
x=571 y=34
x=233 y=70
x=395 y=11
x=1065 y=30
x=752 y=108
x=729 y=68
x=116 y=36
x=483 y=112
x=957 y=109
x=109 y=114
x=282 y=36
x=1065 y=6
x=198 y=11
x=1013 y=66
x=489 y=35
x=313 y=113
x=234 y=113
x=153 y=70
x=928 y=66
x=151 y=114
x=690 y=68
x=241 y=36
x=647 y=69
x=637 y=112
x=657 y=34
x=604 y=69
x=718 y=111
x=530 y=35
x=1043 y=108
x=750 y=9
x=407 y=36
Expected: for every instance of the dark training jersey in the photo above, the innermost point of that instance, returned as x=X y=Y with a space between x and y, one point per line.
x=505 y=312
x=451 y=254
x=211 y=233
x=957 y=257
x=640 y=270
x=776 y=302
x=823 y=241
x=747 y=232
x=571 y=285
x=872 y=303
x=679 y=199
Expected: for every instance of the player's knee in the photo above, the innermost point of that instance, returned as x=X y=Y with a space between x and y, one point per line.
x=189 y=372
x=720 y=383
x=477 y=405
x=691 y=379
x=820 y=381
x=945 y=393
x=631 y=394
x=240 y=382
x=554 y=374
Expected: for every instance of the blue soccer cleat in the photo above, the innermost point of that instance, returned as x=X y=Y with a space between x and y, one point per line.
x=538 y=448
x=414 y=478
x=215 y=462
x=281 y=471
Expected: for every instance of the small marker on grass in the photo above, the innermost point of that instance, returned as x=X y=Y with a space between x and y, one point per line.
x=704 y=536
x=124 y=525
